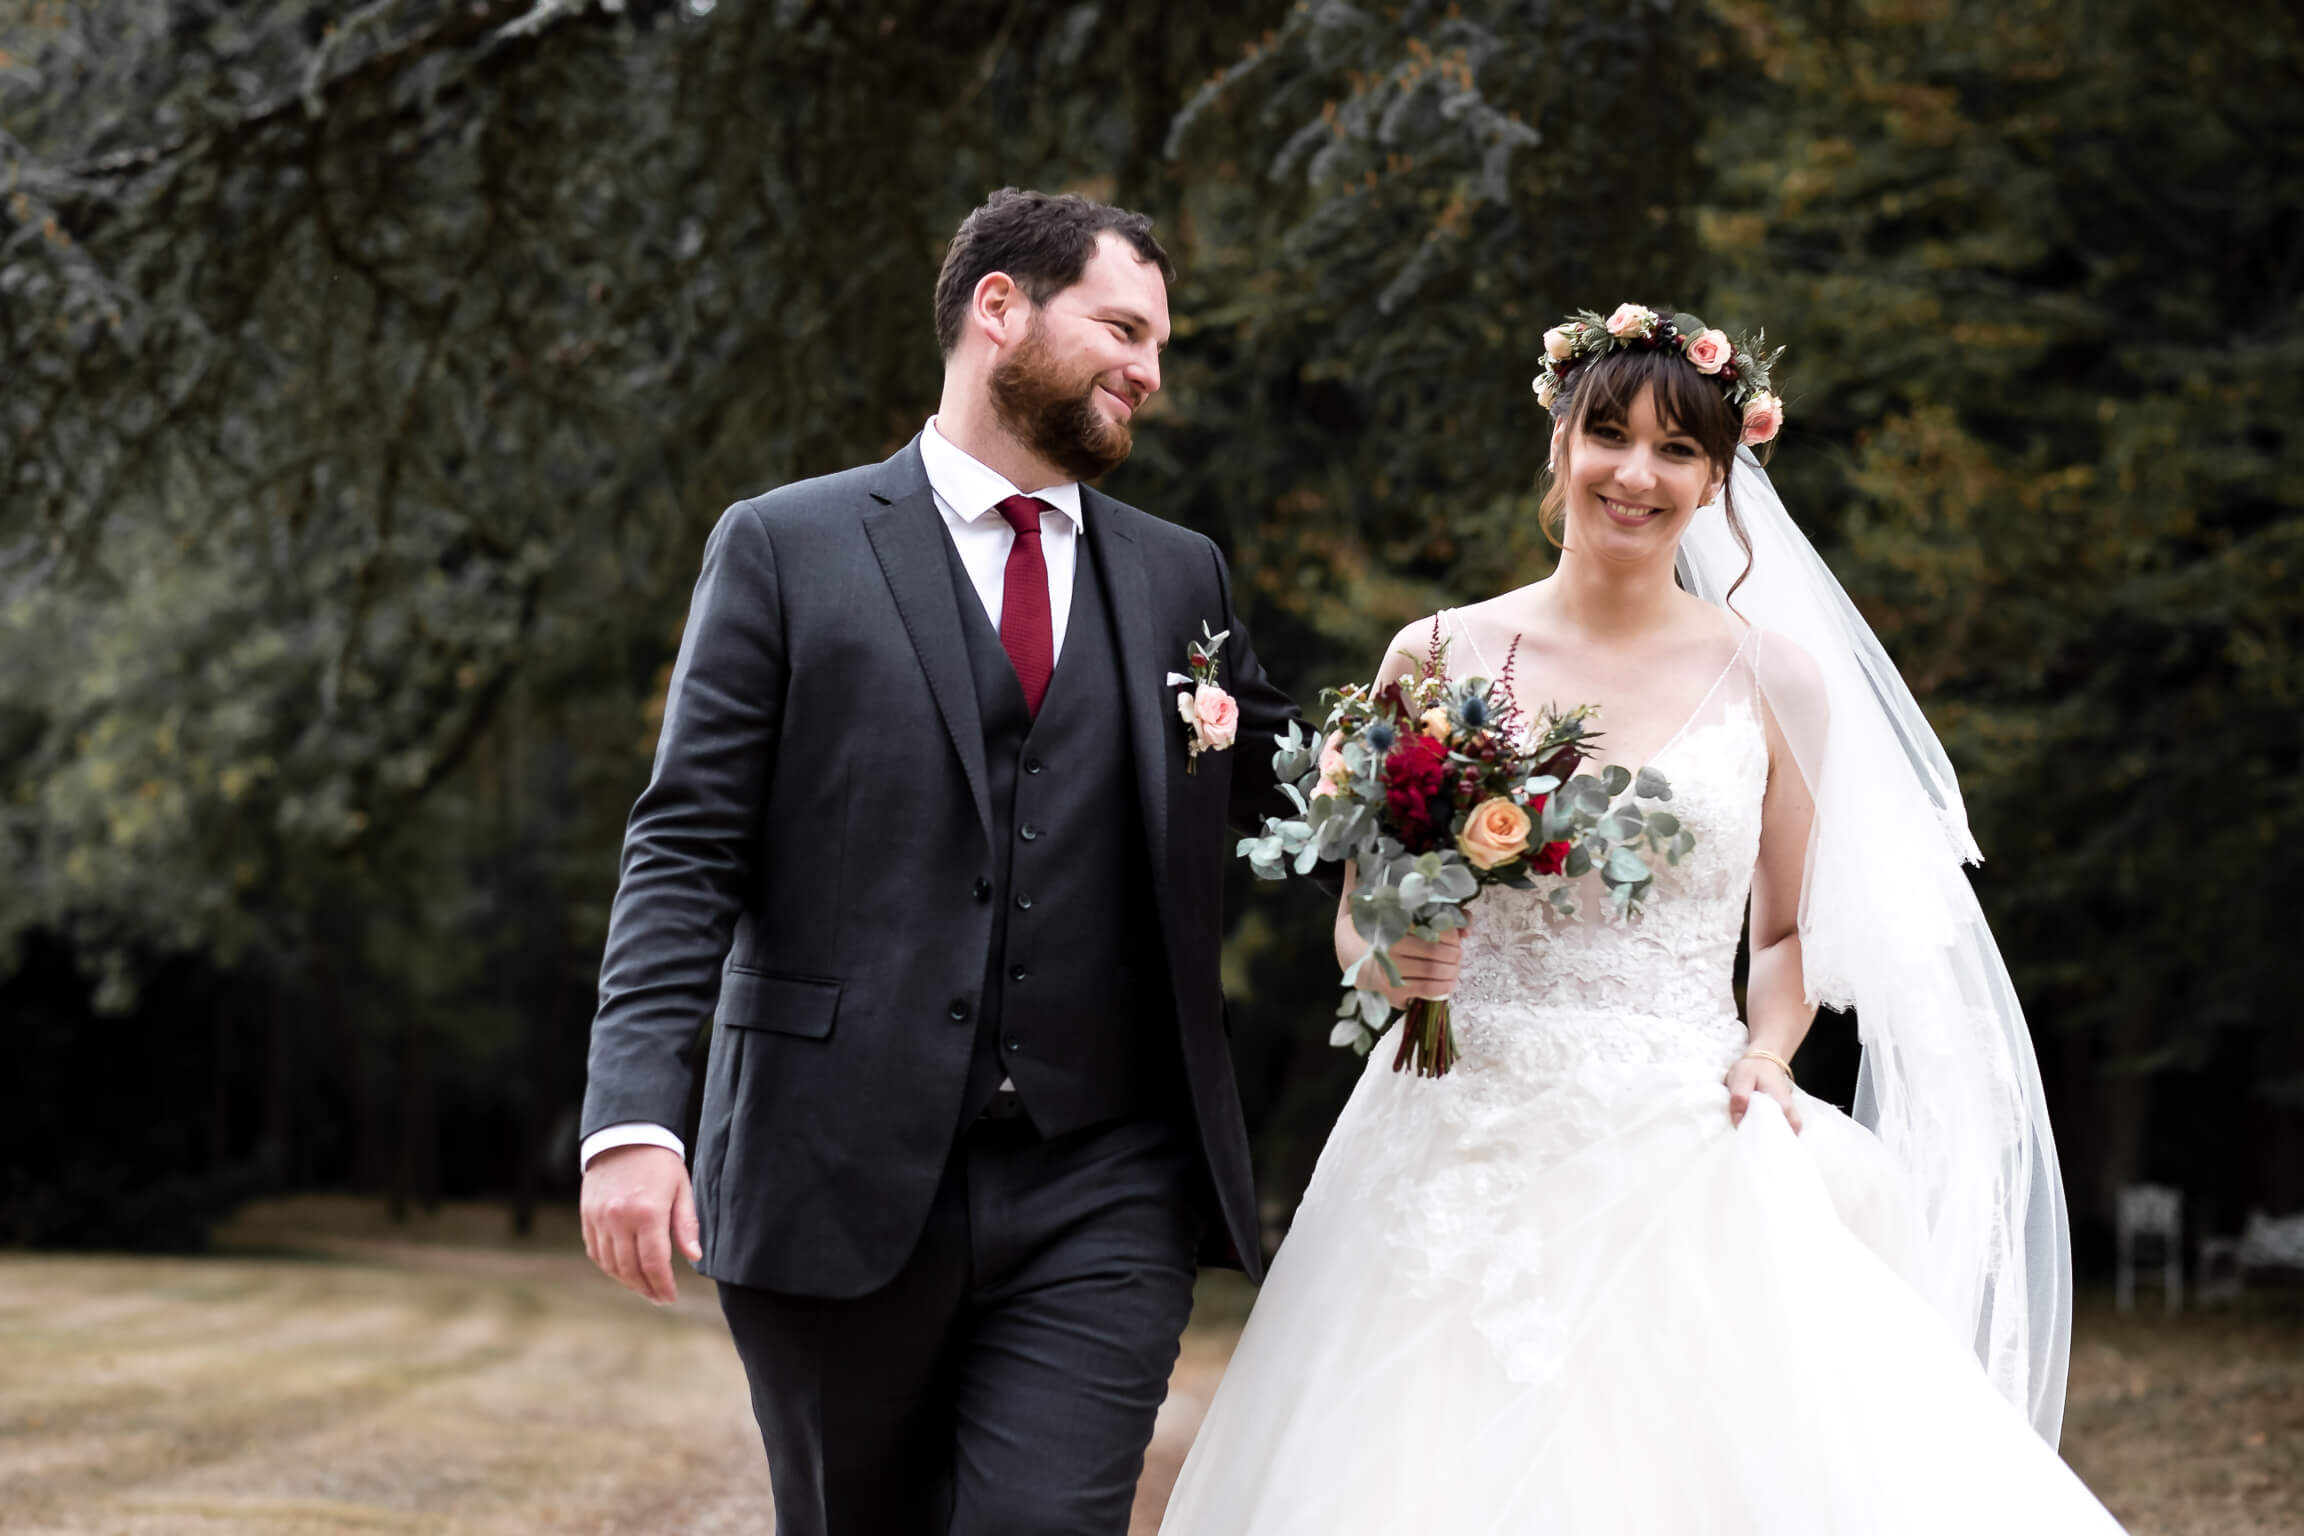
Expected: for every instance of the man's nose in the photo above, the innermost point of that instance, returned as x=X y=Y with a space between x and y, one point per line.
x=1143 y=370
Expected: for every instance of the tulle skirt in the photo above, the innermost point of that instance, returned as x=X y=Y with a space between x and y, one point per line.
x=1602 y=1309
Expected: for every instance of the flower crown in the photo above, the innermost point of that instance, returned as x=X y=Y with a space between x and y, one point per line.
x=1739 y=366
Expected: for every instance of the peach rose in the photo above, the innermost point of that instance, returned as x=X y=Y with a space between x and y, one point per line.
x=1333 y=773
x=1558 y=342
x=1436 y=723
x=1710 y=351
x=1496 y=833
x=1216 y=715
x=1631 y=320
x=1763 y=419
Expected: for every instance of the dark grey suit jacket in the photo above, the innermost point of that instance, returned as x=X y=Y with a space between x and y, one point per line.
x=806 y=854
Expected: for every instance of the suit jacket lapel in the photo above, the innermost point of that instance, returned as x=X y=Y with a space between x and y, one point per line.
x=1146 y=699
x=907 y=535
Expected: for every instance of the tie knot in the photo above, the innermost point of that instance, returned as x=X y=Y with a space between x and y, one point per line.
x=1023 y=514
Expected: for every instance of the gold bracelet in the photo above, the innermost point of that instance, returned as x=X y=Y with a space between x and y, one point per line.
x=1757 y=1054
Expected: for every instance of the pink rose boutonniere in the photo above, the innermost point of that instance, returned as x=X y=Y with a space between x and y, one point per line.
x=1211 y=716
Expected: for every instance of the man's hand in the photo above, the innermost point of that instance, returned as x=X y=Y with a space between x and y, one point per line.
x=637 y=1203
x=1427 y=968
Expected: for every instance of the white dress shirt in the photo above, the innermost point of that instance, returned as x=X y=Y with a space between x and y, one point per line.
x=968 y=493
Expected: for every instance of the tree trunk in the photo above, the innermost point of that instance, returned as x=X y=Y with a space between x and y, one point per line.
x=408 y=1120
x=220 y=1093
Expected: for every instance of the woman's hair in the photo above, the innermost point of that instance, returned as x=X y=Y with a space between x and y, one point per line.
x=1686 y=401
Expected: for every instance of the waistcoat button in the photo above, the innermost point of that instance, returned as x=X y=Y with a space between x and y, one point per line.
x=1018 y=972
x=983 y=890
x=1031 y=765
x=1028 y=832
x=958 y=1012
x=1024 y=903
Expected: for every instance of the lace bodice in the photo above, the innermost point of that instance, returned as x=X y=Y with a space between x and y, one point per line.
x=1566 y=1028
x=1667 y=974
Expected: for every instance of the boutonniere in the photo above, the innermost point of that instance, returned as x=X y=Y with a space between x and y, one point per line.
x=1211 y=716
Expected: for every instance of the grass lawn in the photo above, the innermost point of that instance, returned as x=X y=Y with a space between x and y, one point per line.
x=318 y=1376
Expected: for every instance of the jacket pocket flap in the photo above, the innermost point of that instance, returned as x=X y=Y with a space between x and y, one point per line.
x=788 y=1005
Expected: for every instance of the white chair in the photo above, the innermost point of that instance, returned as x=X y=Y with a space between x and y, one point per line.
x=2146 y=1214
x=2267 y=1242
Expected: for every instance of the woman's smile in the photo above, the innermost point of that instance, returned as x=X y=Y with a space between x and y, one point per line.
x=1630 y=514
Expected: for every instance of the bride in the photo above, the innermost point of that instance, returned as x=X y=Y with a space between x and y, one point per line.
x=1615 y=1272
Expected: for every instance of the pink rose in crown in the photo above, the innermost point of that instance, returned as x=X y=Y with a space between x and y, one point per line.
x=1631 y=320
x=1763 y=419
x=1710 y=351
x=1216 y=716
x=1559 y=342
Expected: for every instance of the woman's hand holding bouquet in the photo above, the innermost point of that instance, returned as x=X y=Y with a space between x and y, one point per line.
x=1433 y=791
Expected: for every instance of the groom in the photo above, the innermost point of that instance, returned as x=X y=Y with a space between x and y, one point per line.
x=923 y=841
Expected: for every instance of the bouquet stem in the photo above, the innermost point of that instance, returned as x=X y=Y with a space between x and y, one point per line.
x=1425 y=1039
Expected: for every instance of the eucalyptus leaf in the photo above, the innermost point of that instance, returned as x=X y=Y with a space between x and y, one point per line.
x=1456 y=881
x=1652 y=785
x=1579 y=863
x=1588 y=796
x=1663 y=823
x=1413 y=890
x=1616 y=778
x=1624 y=867
x=1351 y=1033
x=1542 y=784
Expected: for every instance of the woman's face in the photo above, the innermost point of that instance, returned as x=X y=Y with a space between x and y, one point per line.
x=1633 y=485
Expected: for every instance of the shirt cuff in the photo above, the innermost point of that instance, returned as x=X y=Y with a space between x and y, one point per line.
x=632 y=1133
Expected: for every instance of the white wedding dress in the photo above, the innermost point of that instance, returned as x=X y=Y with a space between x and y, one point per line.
x=1555 y=1292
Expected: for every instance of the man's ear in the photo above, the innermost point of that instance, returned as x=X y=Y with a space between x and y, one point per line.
x=999 y=309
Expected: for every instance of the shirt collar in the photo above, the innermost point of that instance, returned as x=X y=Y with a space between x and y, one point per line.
x=974 y=489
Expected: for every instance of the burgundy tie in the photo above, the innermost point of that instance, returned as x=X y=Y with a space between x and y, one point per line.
x=1026 y=632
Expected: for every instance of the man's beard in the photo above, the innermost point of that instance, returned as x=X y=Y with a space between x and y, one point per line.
x=1053 y=417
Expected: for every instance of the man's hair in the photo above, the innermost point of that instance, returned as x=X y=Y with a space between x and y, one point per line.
x=1043 y=240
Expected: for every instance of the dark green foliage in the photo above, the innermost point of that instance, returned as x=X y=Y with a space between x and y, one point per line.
x=369 y=375
x=372 y=376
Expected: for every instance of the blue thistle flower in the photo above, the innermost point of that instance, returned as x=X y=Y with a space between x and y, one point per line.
x=1380 y=737
x=1472 y=711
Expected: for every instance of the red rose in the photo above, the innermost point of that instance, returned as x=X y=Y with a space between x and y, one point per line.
x=1552 y=858
x=1415 y=791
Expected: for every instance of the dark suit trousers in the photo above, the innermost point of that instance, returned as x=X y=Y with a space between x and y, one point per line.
x=1005 y=1382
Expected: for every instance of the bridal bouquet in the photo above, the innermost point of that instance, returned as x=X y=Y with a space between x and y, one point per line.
x=1435 y=791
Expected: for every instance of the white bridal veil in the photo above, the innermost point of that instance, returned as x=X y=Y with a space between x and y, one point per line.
x=1890 y=927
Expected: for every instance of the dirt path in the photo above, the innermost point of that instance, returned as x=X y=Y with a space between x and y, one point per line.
x=426 y=1391
x=416 y=1387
